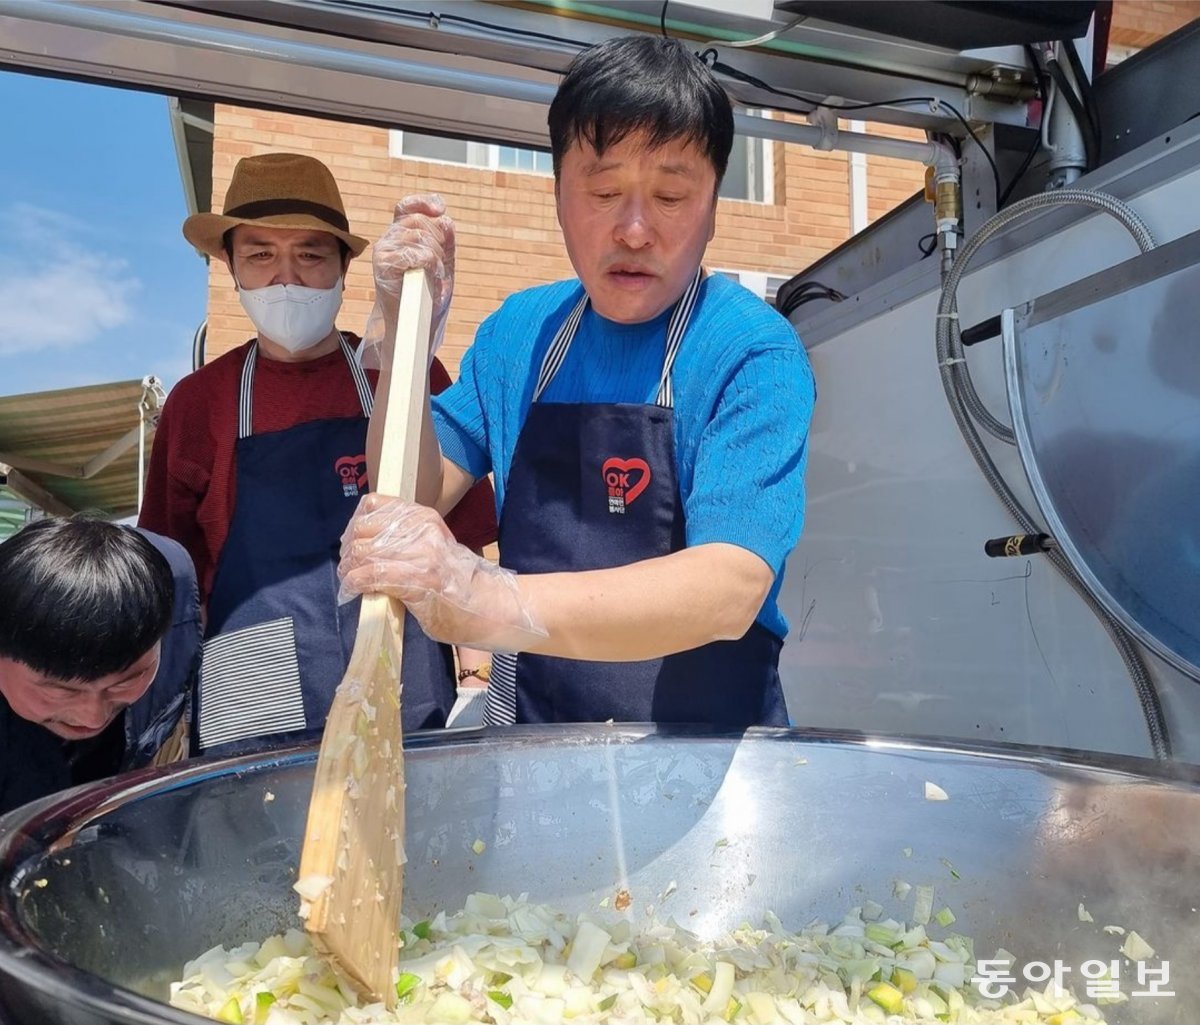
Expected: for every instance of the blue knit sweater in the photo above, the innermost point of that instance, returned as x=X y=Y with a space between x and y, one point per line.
x=743 y=391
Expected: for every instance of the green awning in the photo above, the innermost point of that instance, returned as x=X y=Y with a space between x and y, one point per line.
x=14 y=512
x=79 y=449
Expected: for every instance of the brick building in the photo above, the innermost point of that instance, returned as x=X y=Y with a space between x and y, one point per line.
x=508 y=236
x=783 y=205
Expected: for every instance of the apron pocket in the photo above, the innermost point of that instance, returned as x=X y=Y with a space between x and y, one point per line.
x=500 y=708
x=250 y=684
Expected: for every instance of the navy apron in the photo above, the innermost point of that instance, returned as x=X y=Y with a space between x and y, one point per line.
x=277 y=640
x=593 y=486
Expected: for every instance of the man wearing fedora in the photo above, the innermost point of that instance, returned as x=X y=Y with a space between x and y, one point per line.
x=259 y=462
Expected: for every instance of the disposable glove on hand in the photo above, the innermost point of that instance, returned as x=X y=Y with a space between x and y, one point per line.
x=406 y=551
x=468 y=708
x=420 y=235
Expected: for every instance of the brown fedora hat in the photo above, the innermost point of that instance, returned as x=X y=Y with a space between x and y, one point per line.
x=279 y=190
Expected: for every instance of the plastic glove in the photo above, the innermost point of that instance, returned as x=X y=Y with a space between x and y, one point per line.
x=406 y=551
x=468 y=708
x=420 y=235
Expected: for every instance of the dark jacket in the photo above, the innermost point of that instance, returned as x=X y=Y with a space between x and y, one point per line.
x=34 y=762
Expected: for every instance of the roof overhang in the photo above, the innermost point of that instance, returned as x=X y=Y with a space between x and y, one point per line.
x=485 y=70
x=79 y=449
x=192 y=134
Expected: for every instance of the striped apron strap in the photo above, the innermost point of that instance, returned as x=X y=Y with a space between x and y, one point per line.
x=558 y=348
x=365 y=396
x=246 y=395
x=500 y=702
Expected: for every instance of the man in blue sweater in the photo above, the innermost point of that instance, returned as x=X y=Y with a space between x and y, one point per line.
x=646 y=425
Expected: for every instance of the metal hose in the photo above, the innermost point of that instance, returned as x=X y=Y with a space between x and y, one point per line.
x=974 y=404
x=966 y=404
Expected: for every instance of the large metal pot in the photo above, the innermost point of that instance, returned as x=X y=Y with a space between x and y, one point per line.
x=106 y=892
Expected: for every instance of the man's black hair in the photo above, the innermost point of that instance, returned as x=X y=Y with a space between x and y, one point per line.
x=644 y=84
x=81 y=599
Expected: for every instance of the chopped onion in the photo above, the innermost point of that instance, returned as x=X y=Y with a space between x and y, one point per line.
x=1136 y=949
x=923 y=905
x=310 y=887
x=503 y=960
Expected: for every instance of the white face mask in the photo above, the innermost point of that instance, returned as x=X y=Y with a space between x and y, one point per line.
x=292 y=316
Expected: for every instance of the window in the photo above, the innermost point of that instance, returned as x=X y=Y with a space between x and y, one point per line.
x=473 y=154
x=762 y=283
x=748 y=176
x=509 y=158
x=750 y=173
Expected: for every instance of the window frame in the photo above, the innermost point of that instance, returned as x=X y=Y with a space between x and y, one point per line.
x=760 y=174
x=763 y=283
x=492 y=150
x=760 y=180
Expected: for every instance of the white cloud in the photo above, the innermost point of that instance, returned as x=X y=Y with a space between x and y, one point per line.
x=54 y=292
x=27 y=223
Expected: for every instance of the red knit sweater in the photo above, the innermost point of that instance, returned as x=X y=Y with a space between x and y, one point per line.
x=191 y=484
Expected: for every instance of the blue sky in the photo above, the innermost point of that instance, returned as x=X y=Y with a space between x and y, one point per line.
x=96 y=282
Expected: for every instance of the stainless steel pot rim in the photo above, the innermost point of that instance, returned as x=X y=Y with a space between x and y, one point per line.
x=27 y=834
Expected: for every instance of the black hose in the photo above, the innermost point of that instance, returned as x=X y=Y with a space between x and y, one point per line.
x=1043 y=92
x=1086 y=93
x=1067 y=92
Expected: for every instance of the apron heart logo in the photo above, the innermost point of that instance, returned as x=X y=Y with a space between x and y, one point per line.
x=620 y=480
x=352 y=472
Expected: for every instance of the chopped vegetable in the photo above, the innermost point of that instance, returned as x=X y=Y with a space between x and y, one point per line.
x=935 y=793
x=923 y=905
x=310 y=887
x=231 y=1012
x=1136 y=949
x=479 y=847
x=945 y=917
x=587 y=950
x=1084 y=914
x=406 y=984
x=262 y=1007
x=887 y=996
x=504 y=960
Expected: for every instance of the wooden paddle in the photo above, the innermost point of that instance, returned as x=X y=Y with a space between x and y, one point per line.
x=352 y=865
